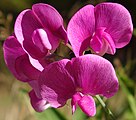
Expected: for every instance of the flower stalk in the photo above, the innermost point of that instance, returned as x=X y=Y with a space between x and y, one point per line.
x=106 y=109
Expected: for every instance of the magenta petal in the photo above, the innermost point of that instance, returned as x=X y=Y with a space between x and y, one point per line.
x=12 y=50
x=75 y=99
x=96 y=42
x=117 y=21
x=87 y=104
x=81 y=28
x=38 y=104
x=56 y=84
x=34 y=51
x=110 y=44
x=50 y=19
x=102 y=42
x=35 y=86
x=62 y=34
x=53 y=40
x=40 y=39
x=18 y=62
x=94 y=75
x=25 y=25
x=25 y=69
x=36 y=64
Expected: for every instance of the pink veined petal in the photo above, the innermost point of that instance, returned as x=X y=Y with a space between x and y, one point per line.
x=117 y=21
x=99 y=47
x=33 y=50
x=110 y=43
x=35 y=86
x=29 y=21
x=18 y=62
x=56 y=84
x=94 y=75
x=87 y=104
x=96 y=42
x=81 y=28
x=36 y=63
x=38 y=104
x=102 y=42
x=25 y=69
x=50 y=19
x=62 y=34
x=25 y=25
x=75 y=98
x=40 y=39
x=12 y=50
x=54 y=41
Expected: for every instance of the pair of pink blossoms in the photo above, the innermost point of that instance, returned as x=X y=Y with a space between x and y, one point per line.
x=37 y=34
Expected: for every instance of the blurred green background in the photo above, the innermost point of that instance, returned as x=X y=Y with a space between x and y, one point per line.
x=14 y=100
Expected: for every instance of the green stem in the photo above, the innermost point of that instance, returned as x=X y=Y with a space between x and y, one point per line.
x=69 y=46
x=107 y=110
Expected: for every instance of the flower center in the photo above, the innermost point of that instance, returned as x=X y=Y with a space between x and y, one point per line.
x=102 y=42
x=79 y=89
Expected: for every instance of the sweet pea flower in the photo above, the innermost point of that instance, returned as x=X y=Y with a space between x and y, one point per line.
x=37 y=34
x=102 y=28
x=23 y=67
x=26 y=52
x=79 y=79
x=39 y=30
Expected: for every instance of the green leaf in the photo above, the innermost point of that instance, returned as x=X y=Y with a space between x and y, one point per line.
x=130 y=97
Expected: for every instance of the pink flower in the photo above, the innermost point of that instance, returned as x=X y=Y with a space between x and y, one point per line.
x=39 y=30
x=28 y=50
x=102 y=28
x=79 y=79
x=37 y=35
x=23 y=67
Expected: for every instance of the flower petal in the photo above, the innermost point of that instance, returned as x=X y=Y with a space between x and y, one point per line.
x=81 y=28
x=117 y=21
x=96 y=42
x=94 y=75
x=102 y=42
x=25 y=25
x=56 y=84
x=87 y=104
x=50 y=19
x=54 y=41
x=25 y=69
x=40 y=39
x=18 y=61
x=36 y=63
x=38 y=104
x=33 y=50
x=111 y=46
x=12 y=50
x=34 y=84
x=75 y=98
